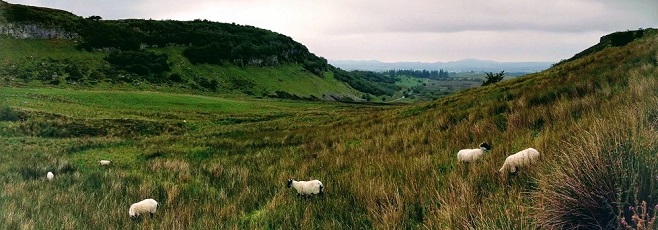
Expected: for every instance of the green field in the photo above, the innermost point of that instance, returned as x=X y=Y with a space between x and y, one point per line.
x=126 y=104
x=425 y=89
x=222 y=162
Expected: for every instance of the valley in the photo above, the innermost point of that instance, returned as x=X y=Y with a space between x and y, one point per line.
x=215 y=143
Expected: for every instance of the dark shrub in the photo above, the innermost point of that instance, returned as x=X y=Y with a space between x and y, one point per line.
x=595 y=185
x=139 y=62
x=8 y=114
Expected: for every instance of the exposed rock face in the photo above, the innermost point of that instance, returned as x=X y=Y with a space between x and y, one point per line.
x=33 y=31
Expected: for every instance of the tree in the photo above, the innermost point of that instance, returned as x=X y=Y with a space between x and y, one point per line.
x=494 y=77
x=95 y=18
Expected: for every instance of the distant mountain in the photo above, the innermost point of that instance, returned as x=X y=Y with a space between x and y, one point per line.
x=453 y=66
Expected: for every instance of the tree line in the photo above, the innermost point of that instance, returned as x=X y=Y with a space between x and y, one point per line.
x=368 y=81
x=432 y=74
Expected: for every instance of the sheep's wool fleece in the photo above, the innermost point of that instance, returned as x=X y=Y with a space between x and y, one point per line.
x=143 y=207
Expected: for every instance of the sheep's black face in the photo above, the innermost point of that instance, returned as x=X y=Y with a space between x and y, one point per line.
x=485 y=146
x=289 y=183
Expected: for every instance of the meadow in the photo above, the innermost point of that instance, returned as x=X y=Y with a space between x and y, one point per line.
x=222 y=163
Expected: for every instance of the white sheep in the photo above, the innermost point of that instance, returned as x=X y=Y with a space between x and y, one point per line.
x=143 y=207
x=306 y=187
x=520 y=159
x=471 y=155
x=105 y=162
x=50 y=176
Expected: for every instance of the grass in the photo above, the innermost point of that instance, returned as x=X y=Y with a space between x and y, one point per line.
x=25 y=56
x=21 y=49
x=122 y=104
x=393 y=166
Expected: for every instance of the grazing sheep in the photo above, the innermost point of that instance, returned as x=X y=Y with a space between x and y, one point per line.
x=105 y=162
x=520 y=159
x=50 y=176
x=471 y=155
x=143 y=207
x=306 y=187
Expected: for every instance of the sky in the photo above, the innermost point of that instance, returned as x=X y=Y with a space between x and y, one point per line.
x=404 y=30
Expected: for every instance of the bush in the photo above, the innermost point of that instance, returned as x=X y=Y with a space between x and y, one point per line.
x=597 y=182
x=493 y=78
x=8 y=114
x=214 y=53
x=582 y=193
x=368 y=82
x=139 y=62
x=175 y=77
x=102 y=35
x=210 y=84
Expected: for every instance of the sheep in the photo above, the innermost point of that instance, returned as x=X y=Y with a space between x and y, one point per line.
x=471 y=155
x=143 y=207
x=50 y=176
x=105 y=162
x=520 y=159
x=306 y=187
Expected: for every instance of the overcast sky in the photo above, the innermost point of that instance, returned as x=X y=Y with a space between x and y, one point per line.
x=405 y=30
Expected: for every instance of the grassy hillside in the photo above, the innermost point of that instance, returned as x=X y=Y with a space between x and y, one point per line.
x=57 y=63
x=220 y=163
x=55 y=47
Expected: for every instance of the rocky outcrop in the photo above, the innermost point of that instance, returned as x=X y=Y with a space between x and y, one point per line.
x=33 y=31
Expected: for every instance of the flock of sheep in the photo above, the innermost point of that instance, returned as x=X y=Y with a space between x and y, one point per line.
x=150 y=206
x=137 y=209
x=314 y=187
x=522 y=158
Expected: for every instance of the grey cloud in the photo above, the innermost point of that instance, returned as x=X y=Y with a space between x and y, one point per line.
x=370 y=16
x=456 y=16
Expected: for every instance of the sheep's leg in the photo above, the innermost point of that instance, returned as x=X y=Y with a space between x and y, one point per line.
x=151 y=214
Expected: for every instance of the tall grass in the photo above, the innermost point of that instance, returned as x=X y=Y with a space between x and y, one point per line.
x=608 y=169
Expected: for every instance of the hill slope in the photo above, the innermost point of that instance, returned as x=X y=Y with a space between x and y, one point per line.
x=54 y=47
x=592 y=118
